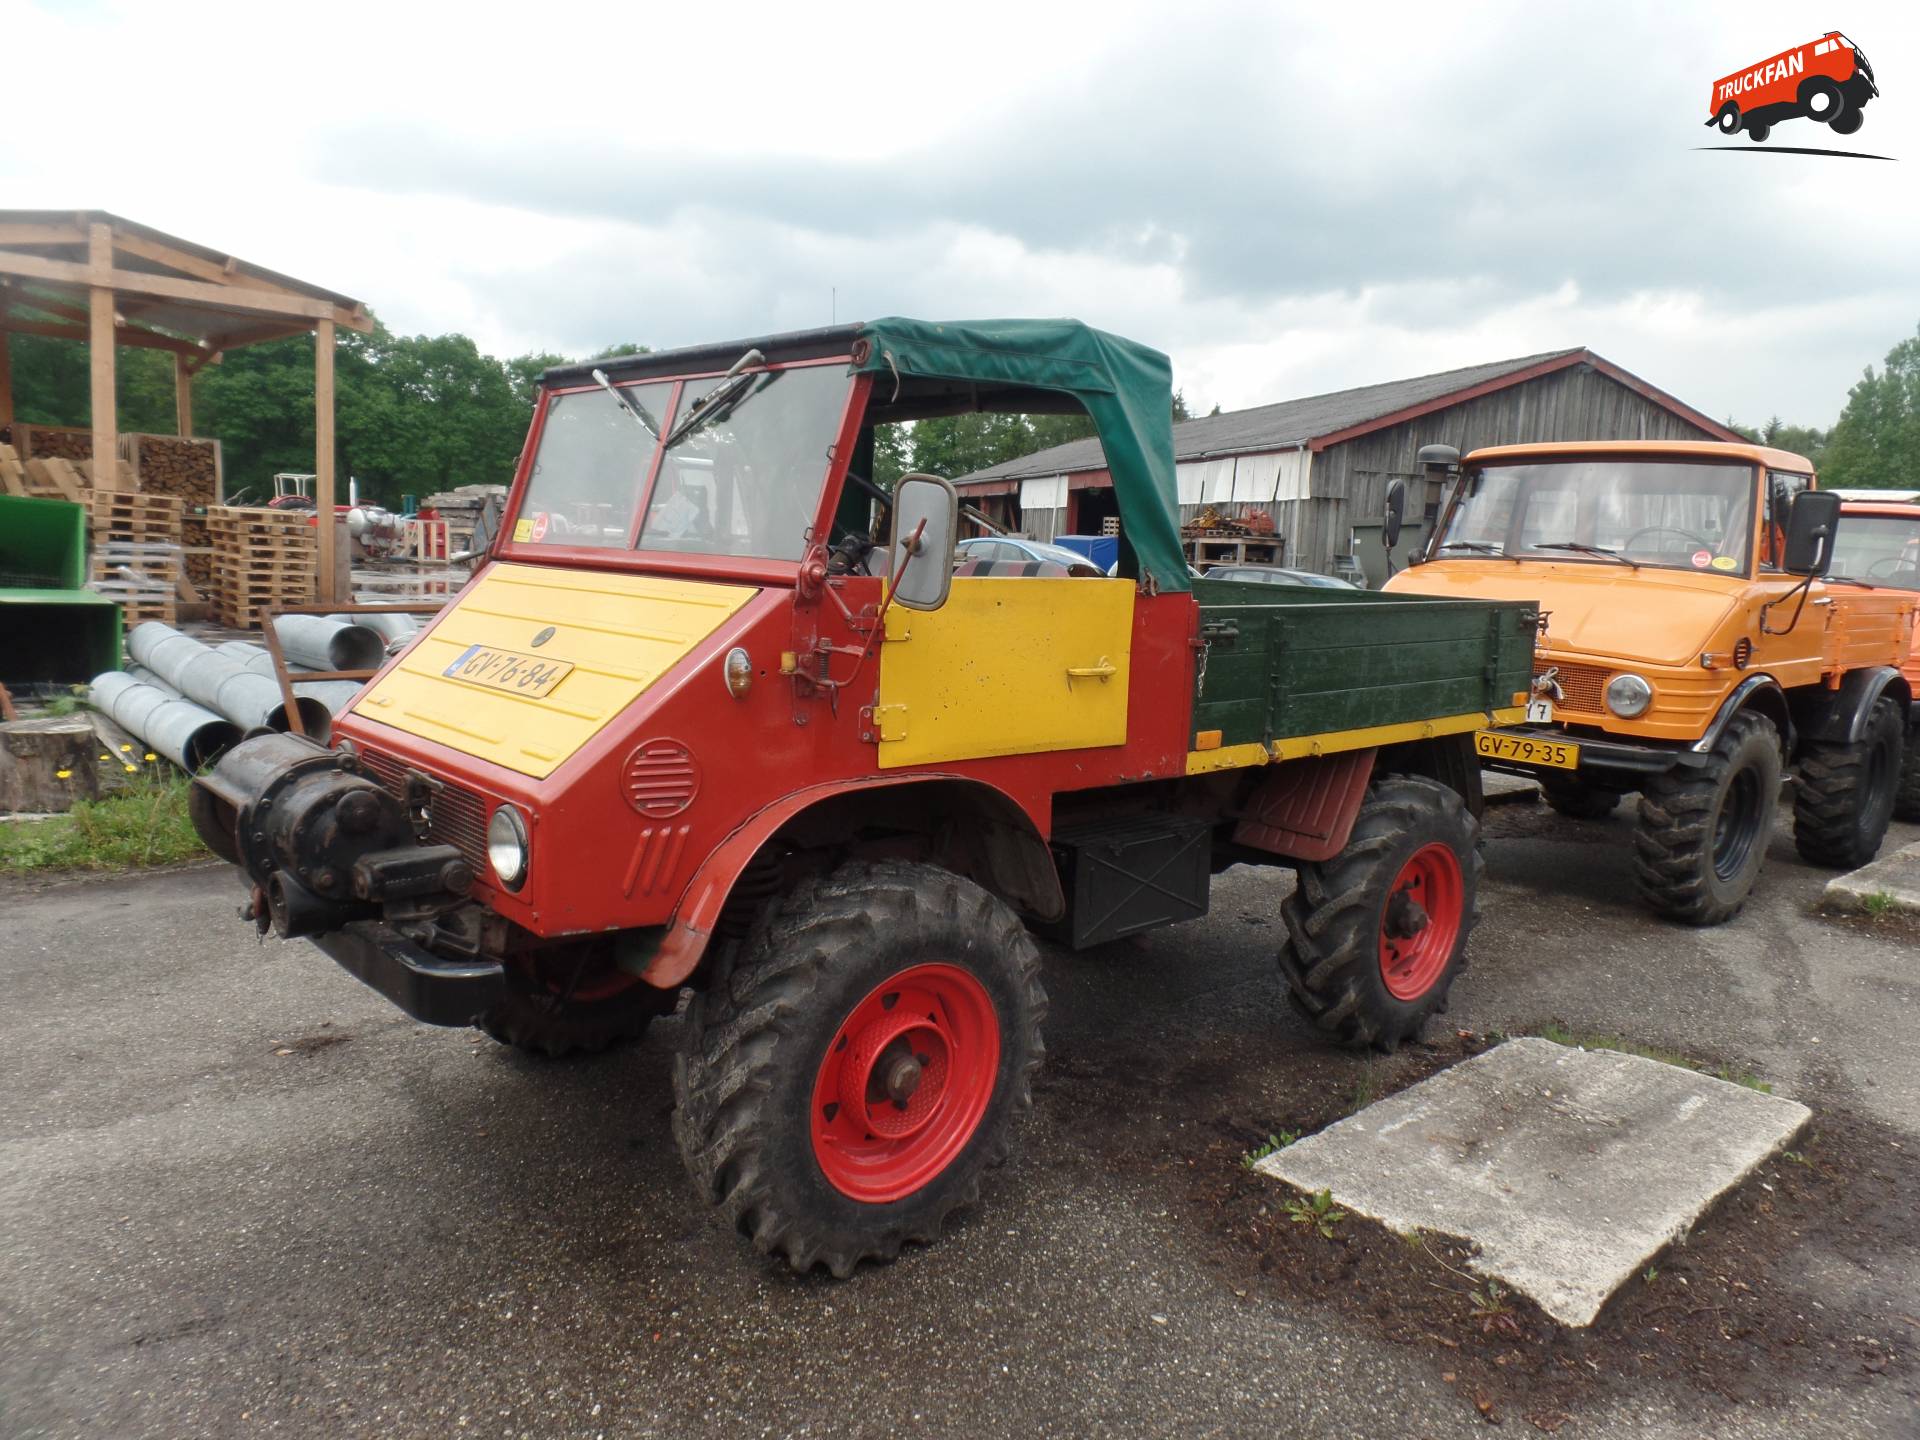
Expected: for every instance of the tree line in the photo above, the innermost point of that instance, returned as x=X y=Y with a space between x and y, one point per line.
x=421 y=413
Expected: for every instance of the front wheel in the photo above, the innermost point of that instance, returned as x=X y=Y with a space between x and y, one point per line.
x=1703 y=831
x=1848 y=122
x=1377 y=934
x=853 y=1068
x=1728 y=119
x=1847 y=793
x=1758 y=133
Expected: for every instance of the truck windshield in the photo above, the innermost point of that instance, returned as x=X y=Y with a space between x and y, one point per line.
x=746 y=480
x=1674 y=514
x=1879 y=549
x=590 y=467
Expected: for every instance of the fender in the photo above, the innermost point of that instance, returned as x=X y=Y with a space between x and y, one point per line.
x=1840 y=716
x=1304 y=809
x=685 y=941
x=1756 y=691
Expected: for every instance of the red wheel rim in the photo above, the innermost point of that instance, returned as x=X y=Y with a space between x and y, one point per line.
x=1421 y=921
x=904 y=1083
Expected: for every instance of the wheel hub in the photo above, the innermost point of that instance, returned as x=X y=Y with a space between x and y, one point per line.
x=1420 y=922
x=1406 y=916
x=905 y=1082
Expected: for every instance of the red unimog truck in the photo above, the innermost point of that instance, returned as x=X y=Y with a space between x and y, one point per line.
x=716 y=715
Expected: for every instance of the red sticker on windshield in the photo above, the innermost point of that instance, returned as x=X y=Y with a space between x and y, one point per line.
x=540 y=528
x=1702 y=559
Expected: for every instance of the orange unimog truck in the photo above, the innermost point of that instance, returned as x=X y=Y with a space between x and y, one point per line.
x=1879 y=545
x=1690 y=650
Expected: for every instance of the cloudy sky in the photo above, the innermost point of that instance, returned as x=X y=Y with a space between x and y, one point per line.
x=1288 y=199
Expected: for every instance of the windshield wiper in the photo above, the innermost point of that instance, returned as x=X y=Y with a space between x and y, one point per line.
x=1470 y=545
x=628 y=404
x=1584 y=549
x=716 y=400
x=1849 y=580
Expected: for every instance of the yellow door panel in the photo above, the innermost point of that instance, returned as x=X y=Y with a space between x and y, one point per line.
x=1007 y=667
x=491 y=681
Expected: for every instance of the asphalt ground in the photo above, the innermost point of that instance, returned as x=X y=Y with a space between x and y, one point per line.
x=240 y=1194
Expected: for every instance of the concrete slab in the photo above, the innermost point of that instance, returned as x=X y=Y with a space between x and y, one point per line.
x=1891 y=883
x=1567 y=1169
x=1503 y=789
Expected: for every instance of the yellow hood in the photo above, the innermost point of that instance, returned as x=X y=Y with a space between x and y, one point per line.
x=1658 y=617
x=530 y=662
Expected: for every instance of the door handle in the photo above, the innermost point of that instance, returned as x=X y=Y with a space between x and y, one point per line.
x=1102 y=671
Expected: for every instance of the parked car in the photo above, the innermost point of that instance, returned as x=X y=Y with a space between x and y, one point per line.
x=1277 y=575
x=998 y=548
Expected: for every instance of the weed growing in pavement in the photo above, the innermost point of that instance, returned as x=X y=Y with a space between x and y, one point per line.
x=1798 y=1157
x=1877 y=904
x=1366 y=1090
x=1491 y=1309
x=1268 y=1147
x=1561 y=1035
x=1652 y=1274
x=1318 y=1211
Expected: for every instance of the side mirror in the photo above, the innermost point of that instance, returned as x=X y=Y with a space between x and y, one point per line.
x=1396 y=512
x=924 y=566
x=1810 y=525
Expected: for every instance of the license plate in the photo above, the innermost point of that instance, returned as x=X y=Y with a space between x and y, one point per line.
x=1526 y=750
x=504 y=670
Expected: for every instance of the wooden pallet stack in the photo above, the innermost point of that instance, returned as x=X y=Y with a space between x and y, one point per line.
x=135 y=552
x=262 y=559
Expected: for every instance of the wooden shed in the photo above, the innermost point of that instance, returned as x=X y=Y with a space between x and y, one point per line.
x=90 y=276
x=1305 y=475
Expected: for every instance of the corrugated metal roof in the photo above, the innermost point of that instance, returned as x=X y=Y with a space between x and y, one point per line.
x=1282 y=425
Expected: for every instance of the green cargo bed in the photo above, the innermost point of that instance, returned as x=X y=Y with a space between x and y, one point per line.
x=1284 y=663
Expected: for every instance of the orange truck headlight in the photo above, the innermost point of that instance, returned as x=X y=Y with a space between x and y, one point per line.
x=1628 y=696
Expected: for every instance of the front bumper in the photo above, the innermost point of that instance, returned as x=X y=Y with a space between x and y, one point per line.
x=429 y=988
x=1609 y=764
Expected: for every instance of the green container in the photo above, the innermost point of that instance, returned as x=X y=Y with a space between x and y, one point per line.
x=1284 y=662
x=43 y=544
x=52 y=630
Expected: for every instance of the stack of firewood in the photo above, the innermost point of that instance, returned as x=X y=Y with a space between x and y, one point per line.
x=187 y=468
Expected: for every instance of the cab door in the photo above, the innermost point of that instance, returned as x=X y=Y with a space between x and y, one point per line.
x=1008 y=666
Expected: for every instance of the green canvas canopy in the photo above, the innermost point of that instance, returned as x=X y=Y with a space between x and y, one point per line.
x=1125 y=387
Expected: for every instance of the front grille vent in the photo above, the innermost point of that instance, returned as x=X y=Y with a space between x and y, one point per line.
x=660 y=779
x=1583 y=687
x=455 y=815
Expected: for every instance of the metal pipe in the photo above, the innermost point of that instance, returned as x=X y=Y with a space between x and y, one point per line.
x=389 y=625
x=220 y=682
x=323 y=644
x=334 y=694
x=187 y=734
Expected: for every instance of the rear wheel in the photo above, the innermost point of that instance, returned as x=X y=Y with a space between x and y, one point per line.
x=1848 y=122
x=1906 y=800
x=1578 y=801
x=852 y=1069
x=1757 y=133
x=1702 y=835
x=573 y=1006
x=1847 y=793
x=1377 y=934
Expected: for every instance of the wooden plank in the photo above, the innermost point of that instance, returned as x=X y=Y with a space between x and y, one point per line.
x=194 y=266
x=136 y=282
x=124 y=334
x=35 y=233
x=323 y=453
x=182 y=397
x=104 y=399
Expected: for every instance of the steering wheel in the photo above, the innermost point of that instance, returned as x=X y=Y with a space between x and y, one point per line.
x=1893 y=565
x=1687 y=535
x=849 y=554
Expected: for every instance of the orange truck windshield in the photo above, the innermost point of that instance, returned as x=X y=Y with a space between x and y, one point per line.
x=1879 y=549
x=1674 y=514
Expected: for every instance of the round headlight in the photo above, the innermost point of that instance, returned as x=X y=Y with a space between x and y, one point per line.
x=507 y=846
x=1628 y=696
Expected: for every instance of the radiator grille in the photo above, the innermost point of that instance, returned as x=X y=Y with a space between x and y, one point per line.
x=456 y=816
x=1583 y=686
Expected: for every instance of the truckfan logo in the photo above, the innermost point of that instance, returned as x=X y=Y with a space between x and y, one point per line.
x=1827 y=81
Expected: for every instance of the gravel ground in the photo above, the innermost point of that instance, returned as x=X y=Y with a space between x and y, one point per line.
x=239 y=1194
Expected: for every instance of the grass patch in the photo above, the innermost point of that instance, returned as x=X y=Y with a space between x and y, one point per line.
x=145 y=825
x=1877 y=904
x=1561 y=1035
x=1272 y=1145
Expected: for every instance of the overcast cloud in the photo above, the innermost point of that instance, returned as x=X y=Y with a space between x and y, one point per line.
x=1286 y=200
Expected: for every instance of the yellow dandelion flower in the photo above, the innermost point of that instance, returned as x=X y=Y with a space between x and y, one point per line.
x=132 y=768
x=63 y=774
x=126 y=747
x=106 y=757
x=151 y=756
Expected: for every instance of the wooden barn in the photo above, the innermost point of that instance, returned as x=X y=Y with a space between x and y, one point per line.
x=1303 y=482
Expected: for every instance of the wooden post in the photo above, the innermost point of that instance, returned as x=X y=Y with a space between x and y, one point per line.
x=323 y=454
x=6 y=383
x=182 y=397
x=100 y=341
